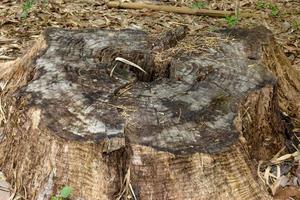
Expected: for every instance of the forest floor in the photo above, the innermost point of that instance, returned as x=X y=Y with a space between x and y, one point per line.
x=21 y=22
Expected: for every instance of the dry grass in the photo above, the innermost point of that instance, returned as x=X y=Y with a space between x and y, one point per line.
x=270 y=171
x=127 y=192
x=3 y=118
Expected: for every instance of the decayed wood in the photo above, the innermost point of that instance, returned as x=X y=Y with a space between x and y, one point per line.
x=193 y=133
x=181 y=10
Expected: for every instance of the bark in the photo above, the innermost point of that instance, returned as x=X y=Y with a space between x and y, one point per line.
x=73 y=115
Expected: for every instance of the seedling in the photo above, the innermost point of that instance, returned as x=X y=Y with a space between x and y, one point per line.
x=274 y=9
x=261 y=5
x=65 y=193
x=27 y=5
x=232 y=20
x=199 y=5
x=296 y=24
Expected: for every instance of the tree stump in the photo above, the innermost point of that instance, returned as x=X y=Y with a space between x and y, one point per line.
x=190 y=126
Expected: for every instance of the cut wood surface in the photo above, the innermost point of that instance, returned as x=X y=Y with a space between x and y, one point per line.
x=74 y=115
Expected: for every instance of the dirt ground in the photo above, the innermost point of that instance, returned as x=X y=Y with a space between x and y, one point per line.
x=21 y=24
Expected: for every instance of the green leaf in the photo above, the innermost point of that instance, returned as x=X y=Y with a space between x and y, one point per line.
x=27 y=5
x=199 y=5
x=260 y=5
x=274 y=9
x=232 y=20
x=296 y=24
x=66 y=192
x=54 y=198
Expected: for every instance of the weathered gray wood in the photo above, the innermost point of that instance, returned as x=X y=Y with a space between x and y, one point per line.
x=191 y=112
x=73 y=85
x=195 y=110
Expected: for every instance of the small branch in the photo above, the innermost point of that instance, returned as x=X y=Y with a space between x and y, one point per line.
x=181 y=10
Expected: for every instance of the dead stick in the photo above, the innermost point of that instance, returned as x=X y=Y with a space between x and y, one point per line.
x=182 y=10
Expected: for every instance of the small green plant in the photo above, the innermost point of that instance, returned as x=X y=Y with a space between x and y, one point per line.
x=65 y=193
x=199 y=5
x=27 y=5
x=232 y=20
x=261 y=5
x=296 y=24
x=274 y=9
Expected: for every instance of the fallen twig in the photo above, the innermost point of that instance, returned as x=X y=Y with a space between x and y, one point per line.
x=182 y=10
x=6 y=58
